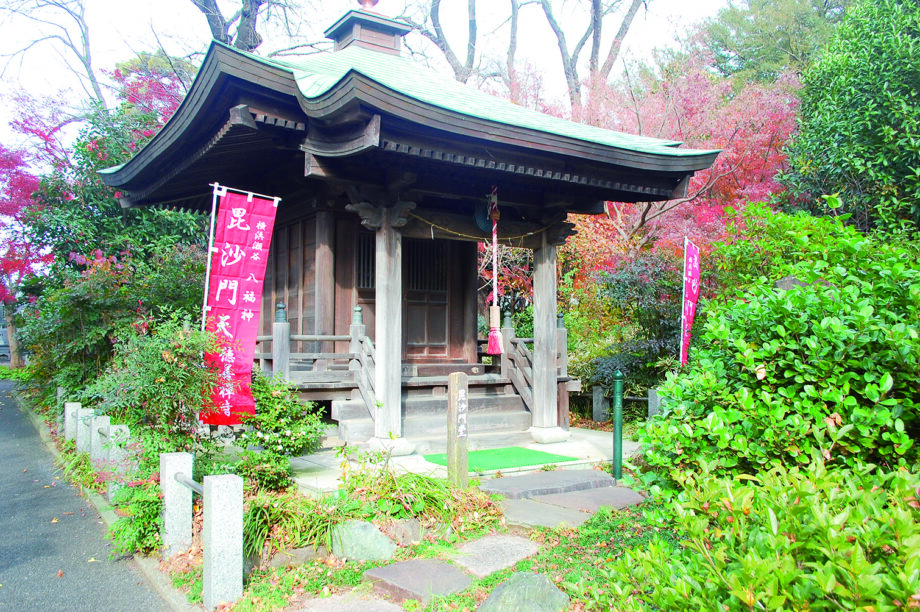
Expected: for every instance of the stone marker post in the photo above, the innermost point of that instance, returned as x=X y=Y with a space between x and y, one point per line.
x=222 y=533
x=177 y=502
x=98 y=437
x=70 y=420
x=654 y=402
x=458 y=466
x=281 y=343
x=600 y=405
x=84 y=428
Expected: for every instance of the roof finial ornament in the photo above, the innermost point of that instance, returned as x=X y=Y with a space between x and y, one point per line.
x=367 y=4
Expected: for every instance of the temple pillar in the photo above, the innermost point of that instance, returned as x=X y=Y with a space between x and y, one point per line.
x=388 y=333
x=545 y=391
x=388 y=321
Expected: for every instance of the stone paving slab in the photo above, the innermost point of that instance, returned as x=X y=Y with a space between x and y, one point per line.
x=348 y=602
x=592 y=499
x=529 y=513
x=546 y=483
x=494 y=553
x=419 y=579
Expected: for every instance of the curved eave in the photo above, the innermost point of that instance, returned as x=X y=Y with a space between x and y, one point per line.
x=229 y=77
x=224 y=77
x=356 y=87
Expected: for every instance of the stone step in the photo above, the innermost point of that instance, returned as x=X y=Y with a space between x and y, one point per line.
x=431 y=405
x=430 y=426
x=420 y=579
x=548 y=483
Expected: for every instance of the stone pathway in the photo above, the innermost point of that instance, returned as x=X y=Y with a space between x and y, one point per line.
x=544 y=499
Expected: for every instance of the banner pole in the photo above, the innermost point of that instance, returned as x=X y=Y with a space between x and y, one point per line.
x=683 y=298
x=207 y=273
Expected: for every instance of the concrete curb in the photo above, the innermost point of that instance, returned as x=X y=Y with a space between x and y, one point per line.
x=149 y=567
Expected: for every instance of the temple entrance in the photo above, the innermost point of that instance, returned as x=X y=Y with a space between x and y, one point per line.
x=426 y=278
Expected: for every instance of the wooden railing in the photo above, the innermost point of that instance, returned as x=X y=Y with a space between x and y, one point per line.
x=517 y=359
x=363 y=364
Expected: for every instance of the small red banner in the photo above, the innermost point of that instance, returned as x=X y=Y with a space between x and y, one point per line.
x=242 y=235
x=691 y=295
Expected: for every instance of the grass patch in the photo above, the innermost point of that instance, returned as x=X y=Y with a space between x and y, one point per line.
x=575 y=559
x=278 y=588
x=18 y=374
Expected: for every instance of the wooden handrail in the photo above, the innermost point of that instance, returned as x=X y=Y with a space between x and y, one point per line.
x=319 y=338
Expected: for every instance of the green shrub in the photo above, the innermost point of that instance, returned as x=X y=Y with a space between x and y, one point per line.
x=374 y=482
x=19 y=375
x=796 y=538
x=139 y=505
x=859 y=125
x=70 y=332
x=646 y=291
x=833 y=367
x=282 y=424
x=268 y=470
x=290 y=520
x=156 y=378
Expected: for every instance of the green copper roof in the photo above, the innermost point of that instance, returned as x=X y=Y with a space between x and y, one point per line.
x=317 y=74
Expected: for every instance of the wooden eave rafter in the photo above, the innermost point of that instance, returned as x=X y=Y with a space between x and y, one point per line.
x=226 y=79
x=247 y=131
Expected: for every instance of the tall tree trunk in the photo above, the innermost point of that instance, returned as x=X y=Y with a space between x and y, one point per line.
x=16 y=361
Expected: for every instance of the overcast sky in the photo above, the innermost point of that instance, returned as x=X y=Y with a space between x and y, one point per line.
x=120 y=28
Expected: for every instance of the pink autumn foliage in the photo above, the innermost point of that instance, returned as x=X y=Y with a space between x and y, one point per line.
x=750 y=123
x=18 y=259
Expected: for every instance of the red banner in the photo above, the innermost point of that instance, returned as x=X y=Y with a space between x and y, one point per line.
x=243 y=233
x=691 y=295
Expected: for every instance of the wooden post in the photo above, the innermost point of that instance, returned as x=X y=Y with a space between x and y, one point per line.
x=324 y=273
x=562 y=388
x=356 y=330
x=281 y=343
x=458 y=466
x=545 y=393
x=388 y=332
x=507 y=345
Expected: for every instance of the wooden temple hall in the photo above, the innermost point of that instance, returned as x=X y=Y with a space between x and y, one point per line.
x=384 y=169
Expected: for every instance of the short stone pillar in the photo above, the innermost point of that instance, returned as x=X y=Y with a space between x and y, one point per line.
x=222 y=532
x=119 y=458
x=84 y=428
x=99 y=437
x=177 y=502
x=70 y=420
x=281 y=343
x=654 y=402
x=600 y=405
x=458 y=466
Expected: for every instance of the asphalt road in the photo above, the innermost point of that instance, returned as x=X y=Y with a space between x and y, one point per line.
x=53 y=551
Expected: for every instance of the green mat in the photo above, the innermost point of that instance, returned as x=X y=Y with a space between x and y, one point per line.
x=503 y=458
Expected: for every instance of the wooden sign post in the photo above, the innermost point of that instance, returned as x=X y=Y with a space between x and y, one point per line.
x=457 y=429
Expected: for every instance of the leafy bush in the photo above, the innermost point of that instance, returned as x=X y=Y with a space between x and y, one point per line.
x=282 y=424
x=139 y=505
x=859 y=132
x=761 y=247
x=290 y=520
x=69 y=331
x=833 y=366
x=392 y=495
x=797 y=538
x=270 y=471
x=156 y=377
x=646 y=290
